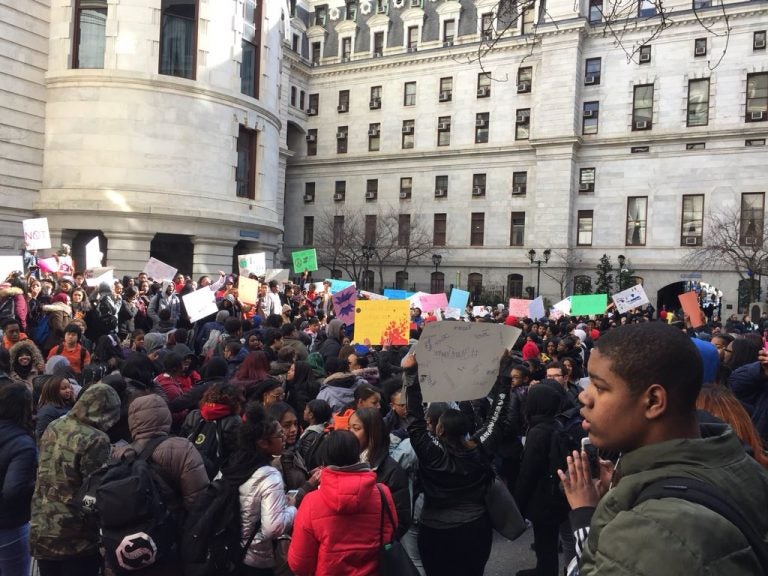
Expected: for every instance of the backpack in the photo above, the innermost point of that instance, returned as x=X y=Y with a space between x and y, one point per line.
x=210 y=345
x=107 y=318
x=8 y=309
x=566 y=438
x=125 y=498
x=206 y=437
x=41 y=331
x=60 y=349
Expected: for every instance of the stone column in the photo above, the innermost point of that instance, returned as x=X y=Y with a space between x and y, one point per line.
x=127 y=251
x=211 y=255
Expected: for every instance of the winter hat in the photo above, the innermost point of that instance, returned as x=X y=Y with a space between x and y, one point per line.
x=221 y=316
x=153 y=342
x=286 y=308
x=60 y=297
x=530 y=350
x=55 y=362
x=710 y=359
x=105 y=288
x=580 y=334
x=511 y=320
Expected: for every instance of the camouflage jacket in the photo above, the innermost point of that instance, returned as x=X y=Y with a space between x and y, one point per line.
x=70 y=449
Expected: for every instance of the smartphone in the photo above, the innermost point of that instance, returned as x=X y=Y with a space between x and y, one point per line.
x=590 y=452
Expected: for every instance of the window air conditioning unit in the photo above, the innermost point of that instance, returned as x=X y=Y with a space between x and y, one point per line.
x=407 y=129
x=585 y=187
x=341 y=108
x=691 y=240
x=645 y=58
x=412 y=49
x=370 y=195
x=641 y=125
x=445 y=96
x=518 y=190
x=700 y=50
x=375 y=103
x=522 y=117
x=444 y=126
x=757 y=115
x=759 y=44
x=309 y=198
x=483 y=91
x=750 y=240
x=341 y=135
x=590 y=79
x=311 y=137
x=373 y=132
x=478 y=191
x=338 y=196
x=311 y=111
x=404 y=195
x=589 y=113
x=480 y=123
x=523 y=87
x=440 y=192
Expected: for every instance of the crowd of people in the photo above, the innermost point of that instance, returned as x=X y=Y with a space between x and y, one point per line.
x=318 y=435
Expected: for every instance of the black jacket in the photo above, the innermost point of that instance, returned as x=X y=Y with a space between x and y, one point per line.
x=391 y=474
x=18 y=468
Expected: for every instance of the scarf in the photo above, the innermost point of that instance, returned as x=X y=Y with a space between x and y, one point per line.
x=212 y=411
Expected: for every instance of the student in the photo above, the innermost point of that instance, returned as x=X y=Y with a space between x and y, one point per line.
x=72 y=349
x=644 y=381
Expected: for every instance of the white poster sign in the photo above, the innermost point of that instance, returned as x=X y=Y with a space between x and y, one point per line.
x=564 y=306
x=107 y=275
x=10 y=264
x=278 y=274
x=158 y=270
x=255 y=263
x=372 y=295
x=36 y=236
x=630 y=298
x=200 y=303
x=93 y=254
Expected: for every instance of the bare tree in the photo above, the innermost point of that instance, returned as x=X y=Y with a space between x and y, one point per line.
x=338 y=240
x=562 y=275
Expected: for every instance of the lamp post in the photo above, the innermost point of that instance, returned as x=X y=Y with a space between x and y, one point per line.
x=538 y=262
x=436 y=259
x=622 y=260
x=368 y=252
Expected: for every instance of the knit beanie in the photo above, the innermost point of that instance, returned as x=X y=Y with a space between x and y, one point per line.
x=530 y=351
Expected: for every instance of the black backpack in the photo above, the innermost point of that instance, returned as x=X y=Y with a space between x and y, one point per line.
x=566 y=438
x=206 y=437
x=125 y=498
x=107 y=312
x=7 y=309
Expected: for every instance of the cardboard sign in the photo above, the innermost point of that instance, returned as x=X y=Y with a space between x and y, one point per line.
x=255 y=263
x=380 y=320
x=460 y=360
x=277 y=274
x=200 y=303
x=372 y=295
x=479 y=311
x=690 y=303
x=247 y=290
x=459 y=299
x=393 y=294
x=339 y=285
x=454 y=313
x=107 y=276
x=586 y=304
x=158 y=270
x=10 y=264
x=555 y=314
x=630 y=298
x=93 y=254
x=36 y=235
x=564 y=306
x=536 y=309
x=519 y=307
x=415 y=300
x=344 y=304
x=431 y=302
x=304 y=261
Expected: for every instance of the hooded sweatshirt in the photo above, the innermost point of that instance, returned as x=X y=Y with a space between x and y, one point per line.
x=331 y=346
x=35 y=367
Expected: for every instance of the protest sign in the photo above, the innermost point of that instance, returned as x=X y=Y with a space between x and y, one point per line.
x=479 y=311
x=304 y=261
x=93 y=254
x=105 y=275
x=49 y=265
x=372 y=295
x=630 y=298
x=255 y=263
x=564 y=306
x=431 y=302
x=586 y=304
x=459 y=299
x=555 y=314
x=536 y=309
x=690 y=303
x=451 y=312
x=519 y=307
x=379 y=320
x=277 y=274
x=393 y=294
x=339 y=285
x=158 y=270
x=10 y=264
x=247 y=290
x=460 y=360
x=344 y=304
x=36 y=235
x=415 y=300
x=200 y=303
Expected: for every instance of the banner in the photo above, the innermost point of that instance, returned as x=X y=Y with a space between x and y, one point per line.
x=519 y=307
x=587 y=304
x=690 y=303
x=159 y=271
x=10 y=264
x=247 y=290
x=255 y=263
x=630 y=298
x=200 y=303
x=36 y=235
x=304 y=261
x=460 y=360
x=93 y=254
x=431 y=302
x=380 y=320
x=536 y=309
x=344 y=305
x=459 y=299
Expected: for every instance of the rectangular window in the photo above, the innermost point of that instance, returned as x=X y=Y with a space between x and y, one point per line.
x=637 y=213
x=699 y=47
x=406 y=185
x=517 y=229
x=595 y=11
x=524 y=79
x=527 y=18
x=294 y=93
x=250 y=68
x=758 y=40
x=409 y=127
x=441 y=186
x=486 y=26
x=752 y=215
x=90 y=34
x=444 y=131
x=341 y=139
x=592 y=68
x=295 y=43
x=584 y=228
x=413 y=38
x=446 y=89
x=449 y=31
x=754 y=142
x=644 y=54
x=646 y=9
x=351 y=11
x=586 y=180
x=321 y=15
x=696 y=146
x=519 y=183
x=477 y=229
x=312 y=142
x=590 y=116
x=309 y=192
x=692 y=227
x=343 y=101
x=701 y=4
x=245 y=173
x=522 y=123
x=757 y=97
x=346 y=49
x=439 y=229
x=482 y=126
x=309 y=230
x=370 y=228
x=404 y=230
x=338 y=230
x=698 y=102
x=302 y=97
x=374 y=137
x=375 y=101
x=371 y=189
x=316 y=54
x=378 y=44
x=642 y=107
x=483 y=84
x=409 y=94
x=340 y=191
x=314 y=104
x=478 y=184
x=178 y=36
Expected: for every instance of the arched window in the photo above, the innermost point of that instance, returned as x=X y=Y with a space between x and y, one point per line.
x=437 y=282
x=368 y=280
x=515 y=285
x=401 y=280
x=582 y=285
x=336 y=274
x=475 y=285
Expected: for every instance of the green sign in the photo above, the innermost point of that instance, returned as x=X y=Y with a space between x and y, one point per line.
x=304 y=261
x=586 y=304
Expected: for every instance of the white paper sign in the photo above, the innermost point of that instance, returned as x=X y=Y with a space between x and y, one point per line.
x=460 y=360
x=564 y=306
x=36 y=236
x=415 y=300
x=279 y=274
x=479 y=311
x=451 y=312
x=200 y=303
x=158 y=270
x=372 y=295
x=108 y=277
x=10 y=264
x=536 y=309
x=252 y=264
x=630 y=298
x=93 y=254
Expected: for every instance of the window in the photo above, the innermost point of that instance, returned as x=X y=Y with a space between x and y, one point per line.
x=404 y=230
x=309 y=192
x=519 y=183
x=522 y=123
x=374 y=137
x=517 y=229
x=406 y=185
x=592 y=68
x=696 y=146
x=321 y=15
x=413 y=38
x=340 y=191
x=250 y=62
x=375 y=102
x=378 y=44
x=314 y=104
x=312 y=142
x=346 y=49
x=589 y=117
x=584 y=228
x=698 y=102
x=700 y=47
x=478 y=184
x=409 y=127
x=483 y=84
x=245 y=173
x=341 y=139
x=754 y=142
x=644 y=54
x=758 y=40
x=178 y=36
x=316 y=48
x=752 y=215
x=436 y=282
x=409 y=94
x=482 y=125
x=587 y=180
x=486 y=26
x=692 y=227
x=700 y=4
x=515 y=285
x=294 y=94
x=371 y=189
x=338 y=230
x=477 y=230
x=370 y=228
x=90 y=34
x=640 y=149
x=351 y=11
x=401 y=279
x=595 y=11
x=527 y=20
x=524 y=79
x=441 y=186
x=302 y=97
x=646 y=9
x=449 y=31
x=444 y=131
x=475 y=285
x=446 y=89
x=757 y=97
x=642 y=107
x=637 y=210
x=295 y=42
x=439 y=229
x=309 y=230
x=343 y=101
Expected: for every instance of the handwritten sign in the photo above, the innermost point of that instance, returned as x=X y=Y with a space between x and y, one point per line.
x=453 y=313
x=536 y=309
x=372 y=295
x=344 y=304
x=555 y=314
x=255 y=263
x=431 y=302
x=479 y=311
x=48 y=265
x=519 y=307
x=106 y=275
x=93 y=254
x=277 y=274
x=460 y=360
x=586 y=304
x=379 y=320
x=564 y=306
x=339 y=285
x=690 y=303
x=158 y=270
x=304 y=261
x=415 y=300
x=36 y=235
x=200 y=303
x=459 y=299
x=247 y=290
x=630 y=298
x=10 y=264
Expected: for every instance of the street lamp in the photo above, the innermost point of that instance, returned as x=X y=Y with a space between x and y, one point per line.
x=436 y=259
x=368 y=252
x=539 y=262
x=622 y=260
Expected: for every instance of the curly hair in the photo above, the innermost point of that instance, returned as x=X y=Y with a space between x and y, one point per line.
x=257 y=425
x=223 y=393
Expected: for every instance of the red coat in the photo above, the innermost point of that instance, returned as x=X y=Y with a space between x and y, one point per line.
x=337 y=527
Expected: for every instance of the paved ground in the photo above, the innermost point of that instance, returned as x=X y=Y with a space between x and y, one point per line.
x=509 y=557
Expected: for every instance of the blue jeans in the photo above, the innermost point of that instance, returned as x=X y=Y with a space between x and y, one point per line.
x=14 y=551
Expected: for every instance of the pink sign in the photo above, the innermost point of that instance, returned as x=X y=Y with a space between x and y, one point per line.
x=429 y=302
x=519 y=307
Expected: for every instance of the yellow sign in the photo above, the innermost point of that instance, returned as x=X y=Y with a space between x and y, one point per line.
x=247 y=290
x=380 y=320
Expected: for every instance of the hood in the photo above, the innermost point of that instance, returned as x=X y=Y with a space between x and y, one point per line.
x=28 y=346
x=149 y=416
x=54 y=362
x=709 y=357
x=347 y=490
x=99 y=406
x=341 y=380
x=58 y=307
x=153 y=341
x=6 y=291
x=544 y=399
x=333 y=330
x=8 y=431
x=105 y=288
x=182 y=350
x=164 y=289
